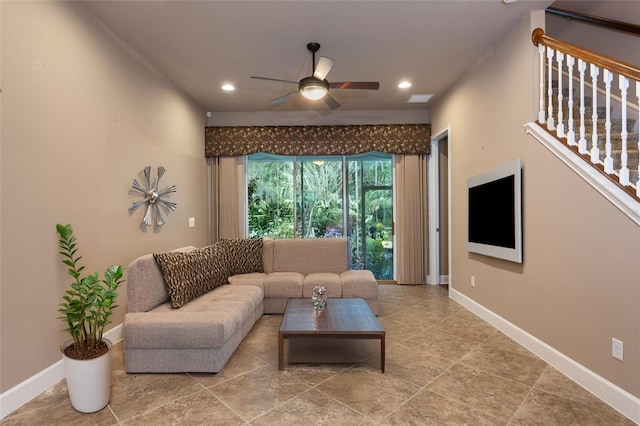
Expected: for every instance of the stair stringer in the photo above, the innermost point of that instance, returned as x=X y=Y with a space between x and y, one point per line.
x=612 y=192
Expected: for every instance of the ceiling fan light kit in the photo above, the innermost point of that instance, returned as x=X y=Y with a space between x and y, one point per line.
x=312 y=88
x=316 y=86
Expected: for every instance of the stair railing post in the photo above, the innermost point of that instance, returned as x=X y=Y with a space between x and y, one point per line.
x=571 y=134
x=608 y=160
x=560 y=126
x=550 y=122
x=541 y=117
x=595 y=152
x=582 y=143
x=623 y=82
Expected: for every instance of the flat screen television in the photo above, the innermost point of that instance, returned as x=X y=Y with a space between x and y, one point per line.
x=495 y=212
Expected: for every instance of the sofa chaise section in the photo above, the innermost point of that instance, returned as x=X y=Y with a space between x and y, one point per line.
x=200 y=336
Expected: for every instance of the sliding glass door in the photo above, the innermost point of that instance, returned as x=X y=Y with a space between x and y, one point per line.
x=326 y=197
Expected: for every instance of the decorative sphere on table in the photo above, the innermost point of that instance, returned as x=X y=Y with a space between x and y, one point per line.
x=319 y=297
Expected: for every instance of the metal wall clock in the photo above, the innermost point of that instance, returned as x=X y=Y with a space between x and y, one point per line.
x=152 y=198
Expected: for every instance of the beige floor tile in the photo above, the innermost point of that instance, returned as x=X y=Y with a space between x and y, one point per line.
x=133 y=393
x=554 y=382
x=544 y=409
x=241 y=362
x=473 y=329
x=415 y=317
x=432 y=342
x=428 y=408
x=53 y=407
x=369 y=392
x=524 y=369
x=201 y=408
x=257 y=392
x=314 y=374
x=488 y=393
x=502 y=341
x=312 y=408
x=397 y=332
x=417 y=368
x=444 y=366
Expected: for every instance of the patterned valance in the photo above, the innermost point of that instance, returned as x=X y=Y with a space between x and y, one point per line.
x=317 y=140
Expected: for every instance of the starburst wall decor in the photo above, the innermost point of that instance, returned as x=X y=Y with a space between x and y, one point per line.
x=152 y=199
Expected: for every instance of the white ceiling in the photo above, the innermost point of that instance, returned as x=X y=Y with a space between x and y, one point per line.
x=200 y=45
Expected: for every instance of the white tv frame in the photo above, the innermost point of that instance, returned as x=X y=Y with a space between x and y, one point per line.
x=507 y=253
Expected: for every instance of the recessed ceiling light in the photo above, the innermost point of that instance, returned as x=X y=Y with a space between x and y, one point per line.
x=417 y=99
x=404 y=84
x=228 y=87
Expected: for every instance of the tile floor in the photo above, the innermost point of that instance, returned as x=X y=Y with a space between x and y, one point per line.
x=445 y=366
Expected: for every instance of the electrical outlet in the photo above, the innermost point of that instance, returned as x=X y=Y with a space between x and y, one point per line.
x=473 y=280
x=617 y=349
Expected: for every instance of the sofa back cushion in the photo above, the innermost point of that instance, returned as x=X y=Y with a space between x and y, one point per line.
x=146 y=288
x=310 y=255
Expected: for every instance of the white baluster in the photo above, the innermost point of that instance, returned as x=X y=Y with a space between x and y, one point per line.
x=541 y=117
x=550 y=123
x=582 y=143
x=560 y=127
x=595 y=152
x=608 y=160
x=571 y=134
x=623 y=82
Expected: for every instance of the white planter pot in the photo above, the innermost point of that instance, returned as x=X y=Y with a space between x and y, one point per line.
x=88 y=381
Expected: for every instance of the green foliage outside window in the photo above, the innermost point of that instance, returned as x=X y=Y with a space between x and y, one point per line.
x=315 y=208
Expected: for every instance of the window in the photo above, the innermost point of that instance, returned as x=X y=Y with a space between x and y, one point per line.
x=305 y=197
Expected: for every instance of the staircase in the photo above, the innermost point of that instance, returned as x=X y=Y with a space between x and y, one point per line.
x=633 y=137
x=586 y=117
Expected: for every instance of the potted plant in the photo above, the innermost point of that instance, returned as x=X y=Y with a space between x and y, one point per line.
x=87 y=308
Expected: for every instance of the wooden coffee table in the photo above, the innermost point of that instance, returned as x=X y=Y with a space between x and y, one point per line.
x=340 y=318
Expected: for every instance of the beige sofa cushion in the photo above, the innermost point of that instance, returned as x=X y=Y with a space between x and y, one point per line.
x=208 y=321
x=331 y=282
x=255 y=278
x=359 y=283
x=283 y=285
x=309 y=255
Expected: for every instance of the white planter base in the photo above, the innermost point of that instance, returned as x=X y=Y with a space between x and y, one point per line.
x=89 y=382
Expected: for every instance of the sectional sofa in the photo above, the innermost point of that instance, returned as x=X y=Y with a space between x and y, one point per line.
x=189 y=309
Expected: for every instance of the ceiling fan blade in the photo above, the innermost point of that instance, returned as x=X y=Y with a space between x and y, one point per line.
x=331 y=101
x=367 y=85
x=282 y=98
x=274 y=79
x=324 y=66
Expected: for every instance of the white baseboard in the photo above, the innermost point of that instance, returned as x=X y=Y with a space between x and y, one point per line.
x=613 y=395
x=24 y=392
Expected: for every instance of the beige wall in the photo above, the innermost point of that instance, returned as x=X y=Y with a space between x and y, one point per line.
x=579 y=285
x=81 y=117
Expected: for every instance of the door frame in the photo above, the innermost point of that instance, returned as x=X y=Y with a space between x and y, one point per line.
x=433 y=188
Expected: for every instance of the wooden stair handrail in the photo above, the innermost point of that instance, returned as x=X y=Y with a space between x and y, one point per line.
x=596 y=20
x=538 y=37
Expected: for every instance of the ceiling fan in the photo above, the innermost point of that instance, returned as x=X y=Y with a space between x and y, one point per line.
x=316 y=85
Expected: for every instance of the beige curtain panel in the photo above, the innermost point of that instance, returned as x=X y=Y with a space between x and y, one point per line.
x=411 y=216
x=318 y=140
x=227 y=198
